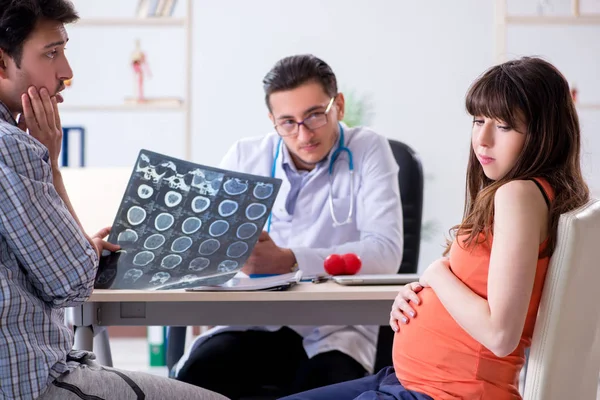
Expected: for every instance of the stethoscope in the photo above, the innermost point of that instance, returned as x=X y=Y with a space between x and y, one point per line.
x=341 y=149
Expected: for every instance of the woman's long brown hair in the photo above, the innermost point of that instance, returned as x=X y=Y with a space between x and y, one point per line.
x=533 y=91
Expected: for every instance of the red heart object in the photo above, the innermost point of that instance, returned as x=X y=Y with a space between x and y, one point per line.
x=352 y=263
x=334 y=265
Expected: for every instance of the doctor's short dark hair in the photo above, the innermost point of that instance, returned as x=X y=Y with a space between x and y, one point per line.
x=18 y=19
x=294 y=71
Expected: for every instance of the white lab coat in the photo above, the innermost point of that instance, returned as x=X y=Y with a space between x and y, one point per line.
x=375 y=233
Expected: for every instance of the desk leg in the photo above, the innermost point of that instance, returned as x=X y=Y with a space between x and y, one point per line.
x=102 y=346
x=84 y=338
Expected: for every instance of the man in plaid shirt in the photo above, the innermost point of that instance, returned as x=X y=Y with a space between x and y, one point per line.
x=47 y=262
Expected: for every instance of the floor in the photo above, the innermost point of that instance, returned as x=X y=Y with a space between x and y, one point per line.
x=132 y=354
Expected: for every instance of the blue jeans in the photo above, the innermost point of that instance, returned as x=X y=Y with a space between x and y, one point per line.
x=382 y=386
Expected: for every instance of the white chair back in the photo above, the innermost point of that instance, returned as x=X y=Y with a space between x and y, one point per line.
x=564 y=360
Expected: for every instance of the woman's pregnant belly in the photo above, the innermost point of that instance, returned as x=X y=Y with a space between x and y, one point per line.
x=432 y=346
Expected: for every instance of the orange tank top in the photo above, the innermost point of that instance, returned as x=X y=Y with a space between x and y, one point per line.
x=435 y=356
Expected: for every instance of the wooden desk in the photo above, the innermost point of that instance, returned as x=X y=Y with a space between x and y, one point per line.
x=305 y=304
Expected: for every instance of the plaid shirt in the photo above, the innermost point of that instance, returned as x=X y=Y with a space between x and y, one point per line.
x=46 y=264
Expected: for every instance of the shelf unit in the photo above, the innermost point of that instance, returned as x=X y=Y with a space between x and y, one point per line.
x=149 y=21
x=186 y=106
x=554 y=20
x=588 y=106
x=123 y=107
x=503 y=19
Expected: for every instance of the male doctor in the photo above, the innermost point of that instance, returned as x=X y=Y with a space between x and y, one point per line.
x=306 y=108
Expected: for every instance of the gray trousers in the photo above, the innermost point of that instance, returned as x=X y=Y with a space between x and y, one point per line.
x=91 y=381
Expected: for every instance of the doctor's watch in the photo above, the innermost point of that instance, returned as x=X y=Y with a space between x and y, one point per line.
x=294 y=267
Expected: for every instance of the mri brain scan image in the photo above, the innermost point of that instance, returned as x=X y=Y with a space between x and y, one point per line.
x=145 y=191
x=179 y=182
x=153 y=173
x=172 y=199
x=191 y=225
x=181 y=244
x=237 y=249
x=209 y=247
x=263 y=190
x=133 y=274
x=146 y=170
x=171 y=261
x=255 y=211
x=163 y=221
x=160 y=278
x=218 y=228
x=235 y=186
x=227 y=266
x=153 y=242
x=227 y=208
x=199 y=264
x=143 y=258
x=127 y=236
x=246 y=230
x=200 y=204
x=206 y=182
x=136 y=215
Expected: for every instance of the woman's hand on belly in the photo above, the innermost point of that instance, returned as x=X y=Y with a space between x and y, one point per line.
x=401 y=309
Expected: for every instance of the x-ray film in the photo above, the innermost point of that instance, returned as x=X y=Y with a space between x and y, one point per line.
x=182 y=225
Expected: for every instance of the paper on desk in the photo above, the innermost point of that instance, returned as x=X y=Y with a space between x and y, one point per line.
x=244 y=284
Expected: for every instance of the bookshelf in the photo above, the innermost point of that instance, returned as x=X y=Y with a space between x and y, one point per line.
x=182 y=106
x=588 y=106
x=148 y=21
x=124 y=107
x=503 y=20
x=554 y=20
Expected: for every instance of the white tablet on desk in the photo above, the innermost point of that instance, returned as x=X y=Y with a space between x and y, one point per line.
x=375 y=279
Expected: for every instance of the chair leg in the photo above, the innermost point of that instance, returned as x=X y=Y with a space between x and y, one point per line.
x=175 y=344
x=383 y=354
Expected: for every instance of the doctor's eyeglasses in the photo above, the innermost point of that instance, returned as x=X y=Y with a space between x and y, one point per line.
x=315 y=120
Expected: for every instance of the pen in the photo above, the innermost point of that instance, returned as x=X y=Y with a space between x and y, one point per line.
x=261 y=275
x=320 y=278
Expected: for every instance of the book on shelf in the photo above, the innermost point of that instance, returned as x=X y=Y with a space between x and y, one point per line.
x=155 y=8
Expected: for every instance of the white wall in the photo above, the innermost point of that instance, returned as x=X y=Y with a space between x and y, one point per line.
x=414 y=59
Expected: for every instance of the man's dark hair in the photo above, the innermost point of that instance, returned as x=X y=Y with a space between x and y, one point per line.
x=294 y=71
x=18 y=19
